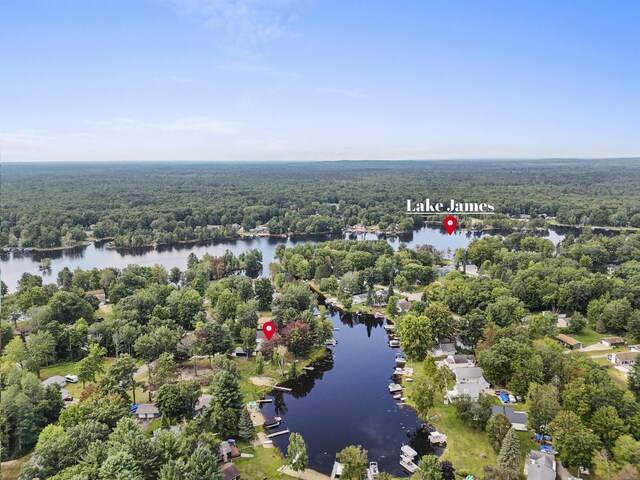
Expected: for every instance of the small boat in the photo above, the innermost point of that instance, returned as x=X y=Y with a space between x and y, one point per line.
x=272 y=423
x=398 y=396
x=373 y=471
x=394 y=388
x=400 y=359
x=378 y=316
x=408 y=379
x=389 y=328
x=408 y=464
x=394 y=343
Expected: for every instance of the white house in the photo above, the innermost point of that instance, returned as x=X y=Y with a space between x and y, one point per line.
x=624 y=358
x=443 y=349
x=452 y=362
x=469 y=381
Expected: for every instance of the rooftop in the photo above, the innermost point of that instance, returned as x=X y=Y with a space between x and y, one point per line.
x=567 y=339
x=147 y=408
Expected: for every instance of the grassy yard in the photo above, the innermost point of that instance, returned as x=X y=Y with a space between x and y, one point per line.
x=589 y=336
x=468 y=449
x=263 y=466
x=75 y=389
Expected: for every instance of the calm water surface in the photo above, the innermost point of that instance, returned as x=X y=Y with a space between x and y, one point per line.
x=97 y=255
x=345 y=401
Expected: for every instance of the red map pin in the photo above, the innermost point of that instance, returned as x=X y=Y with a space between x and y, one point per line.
x=450 y=224
x=269 y=328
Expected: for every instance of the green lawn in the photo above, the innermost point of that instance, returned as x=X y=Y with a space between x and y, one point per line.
x=588 y=336
x=468 y=449
x=66 y=368
x=263 y=466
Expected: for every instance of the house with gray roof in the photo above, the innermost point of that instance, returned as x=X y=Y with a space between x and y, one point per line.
x=518 y=419
x=469 y=381
x=540 y=466
x=57 y=380
x=147 y=411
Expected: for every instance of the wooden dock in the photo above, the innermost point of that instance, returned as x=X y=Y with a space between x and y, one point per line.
x=266 y=400
x=308 y=368
x=285 y=389
x=275 y=434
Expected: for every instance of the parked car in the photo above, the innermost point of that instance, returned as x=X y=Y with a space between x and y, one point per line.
x=71 y=378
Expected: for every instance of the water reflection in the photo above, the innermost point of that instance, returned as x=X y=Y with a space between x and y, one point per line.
x=345 y=400
x=99 y=255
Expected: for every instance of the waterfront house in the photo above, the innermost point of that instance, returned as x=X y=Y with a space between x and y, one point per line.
x=469 y=381
x=147 y=411
x=624 y=358
x=540 y=466
x=443 y=349
x=229 y=472
x=613 y=342
x=403 y=306
x=459 y=361
x=569 y=342
x=518 y=419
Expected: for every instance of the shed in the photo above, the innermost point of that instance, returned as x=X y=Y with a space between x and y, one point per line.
x=229 y=472
x=569 y=342
x=614 y=341
x=146 y=411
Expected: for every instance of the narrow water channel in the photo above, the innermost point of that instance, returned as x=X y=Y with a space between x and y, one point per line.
x=345 y=401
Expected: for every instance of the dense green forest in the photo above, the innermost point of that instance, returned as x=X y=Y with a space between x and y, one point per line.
x=49 y=205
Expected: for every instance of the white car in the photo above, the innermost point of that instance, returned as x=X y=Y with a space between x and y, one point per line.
x=71 y=378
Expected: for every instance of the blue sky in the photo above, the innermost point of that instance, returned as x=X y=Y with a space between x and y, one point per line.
x=318 y=80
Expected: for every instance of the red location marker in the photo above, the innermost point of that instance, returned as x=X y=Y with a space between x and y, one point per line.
x=269 y=328
x=450 y=224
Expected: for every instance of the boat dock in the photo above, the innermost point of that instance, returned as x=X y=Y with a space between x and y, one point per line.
x=332 y=343
x=285 y=389
x=437 y=438
x=308 y=368
x=275 y=434
x=266 y=400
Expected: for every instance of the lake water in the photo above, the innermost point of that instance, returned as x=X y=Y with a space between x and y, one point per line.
x=345 y=401
x=97 y=255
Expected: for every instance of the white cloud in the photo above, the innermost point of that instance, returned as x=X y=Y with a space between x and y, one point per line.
x=243 y=21
x=186 y=124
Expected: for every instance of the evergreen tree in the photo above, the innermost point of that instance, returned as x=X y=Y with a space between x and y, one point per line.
x=204 y=464
x=245 y=425
x=497 y=428
x=428 y=469
x=226 y=392
x=259 y=363
x=297 y=453
x=509 y=457
x=634 y=380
